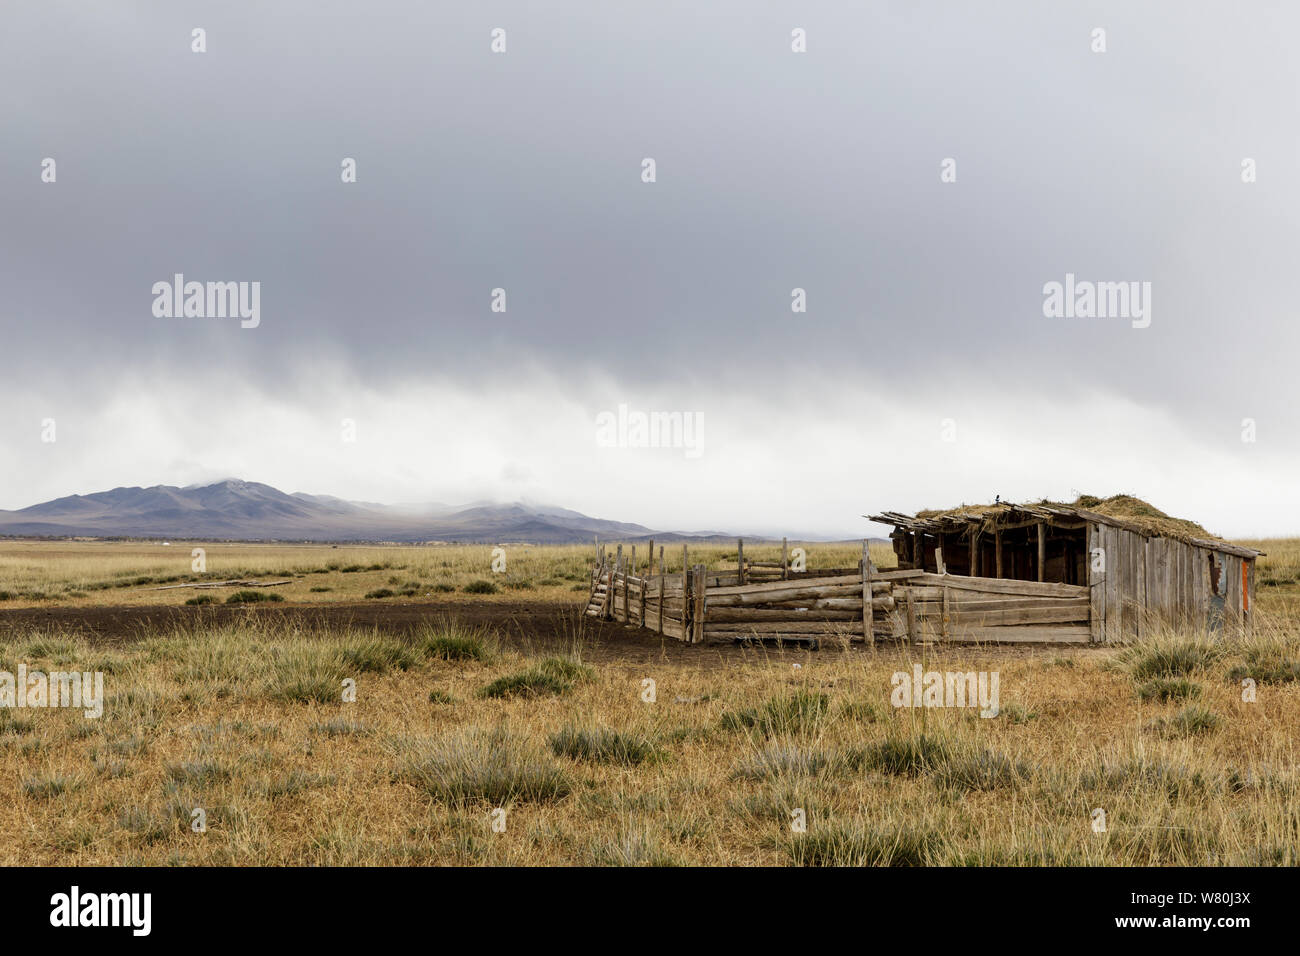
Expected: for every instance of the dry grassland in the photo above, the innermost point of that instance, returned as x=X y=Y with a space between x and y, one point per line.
x=247 y=723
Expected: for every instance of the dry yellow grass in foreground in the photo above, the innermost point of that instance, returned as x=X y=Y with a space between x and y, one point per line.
x=247 y=725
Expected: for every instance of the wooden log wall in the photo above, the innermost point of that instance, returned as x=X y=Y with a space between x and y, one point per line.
x=937 y=607
x=1143 y=577
x=758 y=599
x=813 y=606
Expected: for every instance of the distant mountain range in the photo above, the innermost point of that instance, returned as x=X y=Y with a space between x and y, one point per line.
x=237 y=510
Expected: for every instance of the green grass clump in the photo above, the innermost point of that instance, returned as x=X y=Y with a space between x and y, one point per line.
x=1165 y=689
x=550 y=678
x=902 y=756
x=341 y=727
x=529 y=683
x=864 y=711
x=979 y=770
x=380 y=593
x=1272 y=657
x=951 y=766
x=1170 y=657
x=1188 y=722
x=304 y=673
x=794 y=713
x=202 y=599
x=856 y=845
x=452 y=642
x=198 y=772
x=1144 y=774
x=603 y=745
x=51 y=786
x=252 y=597
x=1018 y=714
x=378 y=655
x=480 y=587
x=568 y=669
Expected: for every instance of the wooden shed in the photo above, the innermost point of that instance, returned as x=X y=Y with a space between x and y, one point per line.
x=1140 y=567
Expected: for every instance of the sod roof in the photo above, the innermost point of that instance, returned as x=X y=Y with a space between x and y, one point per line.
x=1124 y=511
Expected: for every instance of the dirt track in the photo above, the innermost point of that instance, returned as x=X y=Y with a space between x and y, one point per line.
x=527 y=625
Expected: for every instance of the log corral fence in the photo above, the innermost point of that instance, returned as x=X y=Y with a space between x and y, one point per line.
x=771 y=601
x=758 y=600
x=1061 y=576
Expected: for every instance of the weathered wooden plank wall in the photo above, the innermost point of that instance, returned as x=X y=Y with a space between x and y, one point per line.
x=1132 y=583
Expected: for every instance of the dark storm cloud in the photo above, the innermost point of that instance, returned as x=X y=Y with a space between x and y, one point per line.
x=775 y=171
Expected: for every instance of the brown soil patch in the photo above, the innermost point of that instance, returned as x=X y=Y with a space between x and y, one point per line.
x=528 y=625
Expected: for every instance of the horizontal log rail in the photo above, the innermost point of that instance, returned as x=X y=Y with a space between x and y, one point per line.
x=764 y=600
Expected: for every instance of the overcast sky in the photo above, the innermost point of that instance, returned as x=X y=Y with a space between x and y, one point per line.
x=923 y=373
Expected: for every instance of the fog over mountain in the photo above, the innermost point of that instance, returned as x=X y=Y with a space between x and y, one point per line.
x=250 y=511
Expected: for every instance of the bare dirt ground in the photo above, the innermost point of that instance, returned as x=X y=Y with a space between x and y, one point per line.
x=539 y=625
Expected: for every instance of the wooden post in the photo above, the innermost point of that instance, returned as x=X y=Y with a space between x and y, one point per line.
x=650 y=571
x=740 y=559
x=642 y=580
x=661 y=589
x=939 y=566
x=868 y=631
x=699 y=590
x=606 y=569
x=622 y=576
x=615 y=570
x=918 y=552
x=944 y=621
x=785 y=560
x=975 y=553
x=997 y=553
x=627 y=590
x=1245 y=592
x=911 y=617
x=1042 y=549
x=686 y=598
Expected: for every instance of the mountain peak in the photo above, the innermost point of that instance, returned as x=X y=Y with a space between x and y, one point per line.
x=237 y=509
x=209 y=484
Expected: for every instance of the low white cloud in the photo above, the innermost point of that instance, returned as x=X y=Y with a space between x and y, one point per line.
x=770 y=462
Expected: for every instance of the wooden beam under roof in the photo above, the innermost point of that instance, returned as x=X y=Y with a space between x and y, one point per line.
x=1056 y=515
